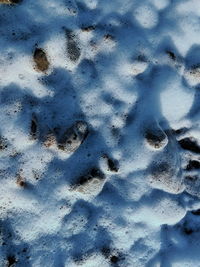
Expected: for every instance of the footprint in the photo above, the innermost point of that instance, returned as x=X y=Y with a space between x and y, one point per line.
x=11 y=260
x=110 y=165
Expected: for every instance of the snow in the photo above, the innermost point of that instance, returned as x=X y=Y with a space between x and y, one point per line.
x=99 y=133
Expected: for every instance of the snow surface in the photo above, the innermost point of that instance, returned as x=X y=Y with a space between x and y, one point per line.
x=100 y=133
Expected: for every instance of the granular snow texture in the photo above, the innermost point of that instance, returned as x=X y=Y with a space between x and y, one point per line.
x=100 y=133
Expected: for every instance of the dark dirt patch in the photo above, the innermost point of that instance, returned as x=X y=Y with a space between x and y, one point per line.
x=15 y=1
x=189 y=144
x=191 y=178
x=34 y=127
x=50 y=140
x=114 y=259
x=3 y=144
x=73 y=49
x=108 y=37
x=196 y=212
x=193 y=165
x=106 y=252
x=113 y=256
x=88 y=28
x=11 y=260
x=188 y=231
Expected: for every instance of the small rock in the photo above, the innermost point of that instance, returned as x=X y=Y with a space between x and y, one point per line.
x=196 y=212
x=40 y=59
x=20 y=181
x=112 y=165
